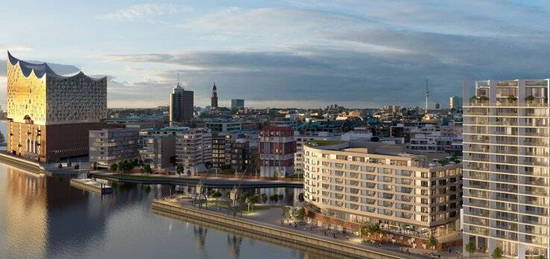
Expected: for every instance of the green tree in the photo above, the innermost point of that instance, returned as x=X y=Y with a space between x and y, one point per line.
x=370 y=229
x=300 y=214
x=497 y=253
x=180 y=169
x=113 y=167
x=147 y=169
x=470 y=248
x=432 y=242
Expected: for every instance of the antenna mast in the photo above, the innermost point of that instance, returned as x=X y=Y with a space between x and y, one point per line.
x=427 y=95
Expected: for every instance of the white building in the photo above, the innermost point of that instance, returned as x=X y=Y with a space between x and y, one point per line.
x=506 y=168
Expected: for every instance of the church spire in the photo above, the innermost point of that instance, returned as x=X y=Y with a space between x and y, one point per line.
x=214 y=98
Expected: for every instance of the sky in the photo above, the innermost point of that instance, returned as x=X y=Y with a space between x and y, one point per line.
x=305 y=54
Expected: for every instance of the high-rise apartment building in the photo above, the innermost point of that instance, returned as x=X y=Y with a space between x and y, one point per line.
x=237 y=104
x=277 y=148
x=411 y=195
x=49 y=115
x=181 y=105
x=506 y=168
x=455 y=103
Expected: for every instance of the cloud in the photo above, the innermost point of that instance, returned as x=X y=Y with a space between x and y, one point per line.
x=146 y=12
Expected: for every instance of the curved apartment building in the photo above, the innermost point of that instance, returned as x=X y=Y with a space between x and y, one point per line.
x=407 y=194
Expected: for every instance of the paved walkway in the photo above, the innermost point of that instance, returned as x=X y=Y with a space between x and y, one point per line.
x=272 y=216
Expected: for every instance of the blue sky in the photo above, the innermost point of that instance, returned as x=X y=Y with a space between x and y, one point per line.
x=310 y=53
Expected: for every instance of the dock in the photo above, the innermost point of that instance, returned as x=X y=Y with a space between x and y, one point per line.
x=91 y=185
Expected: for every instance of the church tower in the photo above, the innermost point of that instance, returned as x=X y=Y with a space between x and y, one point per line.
x=214 y=98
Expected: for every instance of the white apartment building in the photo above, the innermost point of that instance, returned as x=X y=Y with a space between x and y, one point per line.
x=407 y=194
x=435 y=138
x=506 y=168
x=301 y=140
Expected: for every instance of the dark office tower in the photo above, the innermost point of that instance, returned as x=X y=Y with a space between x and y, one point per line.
x=181 y=105
x=214 y=99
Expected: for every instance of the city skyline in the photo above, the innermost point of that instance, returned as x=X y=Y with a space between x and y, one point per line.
x=284 y=53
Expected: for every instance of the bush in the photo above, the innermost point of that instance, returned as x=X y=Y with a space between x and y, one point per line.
x=113 y=167
x=497 y=253
x=470 y=248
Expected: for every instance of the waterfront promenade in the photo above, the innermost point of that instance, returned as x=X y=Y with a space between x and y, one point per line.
x=266 y=226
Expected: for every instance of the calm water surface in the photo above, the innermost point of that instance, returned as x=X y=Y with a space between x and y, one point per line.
x=43 y=217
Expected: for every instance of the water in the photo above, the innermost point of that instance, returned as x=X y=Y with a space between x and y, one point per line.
x=43 y=217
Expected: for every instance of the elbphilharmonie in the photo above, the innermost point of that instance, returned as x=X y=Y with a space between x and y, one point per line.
x=49 y=115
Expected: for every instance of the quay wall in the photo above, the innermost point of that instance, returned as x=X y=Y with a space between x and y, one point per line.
x=272 y=232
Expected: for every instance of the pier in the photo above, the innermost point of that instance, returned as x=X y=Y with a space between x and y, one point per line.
x=92 y=185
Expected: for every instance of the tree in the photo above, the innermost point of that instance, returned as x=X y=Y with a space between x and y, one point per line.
x=432 y=242
x=147 y=169
x=180 y=169
x=113 y=167
x=300 y=213
x=370 y=229
x=470 y=248
x=497 y=253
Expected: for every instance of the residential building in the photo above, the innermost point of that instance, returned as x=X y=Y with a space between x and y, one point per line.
x=193 y=149
x=435 y=138
x=49 y=115
x=181 y=105
x=301 y=140
x=109 y=146
x=352 y=184
x=159 y=151
x=455 y=103
x=237 y=104
x=277 y=148
x=240 y=155
x=221 y=150
x=506 y=168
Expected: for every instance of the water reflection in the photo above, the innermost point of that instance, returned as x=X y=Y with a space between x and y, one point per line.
x=43 y=217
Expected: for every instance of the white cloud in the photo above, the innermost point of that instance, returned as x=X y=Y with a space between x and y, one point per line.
x=146 y=12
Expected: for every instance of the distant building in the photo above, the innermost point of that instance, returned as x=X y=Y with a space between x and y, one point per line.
x=455 y=103
x=109 y=146
x=214 y=98
x=193 y=150
x=432 y=138
x=237 y=104
x=437 y=106
x=159 y=151
x=277 y=148
x=181 y=105
x=224 y=126
x=221 y=150
x=49 y=115
x=240 y=155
